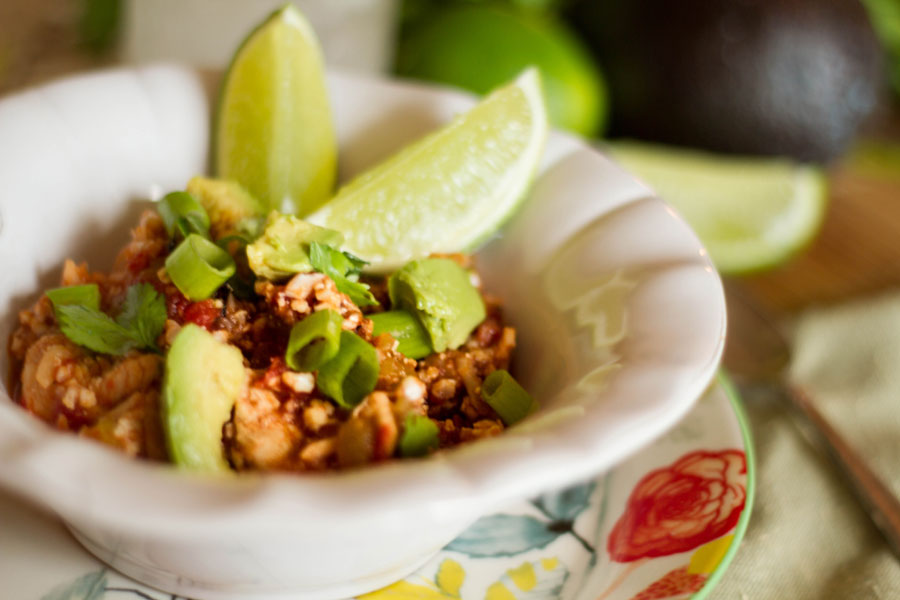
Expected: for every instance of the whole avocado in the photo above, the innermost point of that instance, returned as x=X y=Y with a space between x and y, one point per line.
x=775 y=77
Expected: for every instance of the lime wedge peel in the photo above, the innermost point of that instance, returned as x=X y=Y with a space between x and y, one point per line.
x=274 y=131
x=450 y=190
x=751 y=213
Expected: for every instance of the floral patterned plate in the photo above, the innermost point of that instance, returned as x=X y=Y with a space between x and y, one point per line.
x=663 y=525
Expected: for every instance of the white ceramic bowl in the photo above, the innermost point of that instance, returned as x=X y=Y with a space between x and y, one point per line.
x=620 y=315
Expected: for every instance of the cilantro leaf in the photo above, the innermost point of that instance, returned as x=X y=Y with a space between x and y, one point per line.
x=87 y=295
x=343 y=268
x=141 y=321
x=354 y=265
x=144 y=314
x=93 y=329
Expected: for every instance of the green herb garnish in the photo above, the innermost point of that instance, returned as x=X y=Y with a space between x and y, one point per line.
x=352 y=374
x=140 y=322
x=198 y=267
x=508 y=399
x=85 y=295
x=314 y=341
x=344 y=269
x=419 y=437
x=183 y=214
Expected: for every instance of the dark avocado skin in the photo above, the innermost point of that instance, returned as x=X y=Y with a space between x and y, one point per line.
x=772 y=77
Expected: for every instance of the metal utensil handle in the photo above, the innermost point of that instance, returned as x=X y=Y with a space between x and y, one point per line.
x=881 y=504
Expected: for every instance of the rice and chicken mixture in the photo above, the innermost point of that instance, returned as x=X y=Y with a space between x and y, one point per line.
x=280 y=421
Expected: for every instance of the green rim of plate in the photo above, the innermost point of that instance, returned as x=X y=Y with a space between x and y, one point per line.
x=743 y=421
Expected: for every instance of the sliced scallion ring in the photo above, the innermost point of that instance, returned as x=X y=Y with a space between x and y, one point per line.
x=198 y=267
x=419 y=437
x=412 y=338
x=508 y=399
x=314 y=341
x=351 y=374
x=183 y=213
x=83 y=295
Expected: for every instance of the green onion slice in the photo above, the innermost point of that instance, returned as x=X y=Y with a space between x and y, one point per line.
x=508 y=399
x=84 y=295
x=314 y=341
x=198 y=267
x=406 y=329
x=419 y=437
x=351 y=374
x=183 y=213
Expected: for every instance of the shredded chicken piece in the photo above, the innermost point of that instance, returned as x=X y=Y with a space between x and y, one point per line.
x=132 y=374
x=306 y=293
x=410 y=398
x=133 y=426
x=265 y=437
x=370 y=434
x=315 y=455
x=302 y=383
x=318 y=415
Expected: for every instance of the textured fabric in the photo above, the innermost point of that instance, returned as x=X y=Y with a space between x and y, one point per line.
x=808 y=538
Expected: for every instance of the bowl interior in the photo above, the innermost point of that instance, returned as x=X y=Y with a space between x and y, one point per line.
x=619 y=312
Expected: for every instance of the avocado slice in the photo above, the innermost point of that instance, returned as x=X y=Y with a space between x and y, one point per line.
x=283 y=248
x=204 y=377
x=440 y=294
x=226 y=202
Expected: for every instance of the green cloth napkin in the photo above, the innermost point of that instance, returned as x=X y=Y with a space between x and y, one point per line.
x=808 y=538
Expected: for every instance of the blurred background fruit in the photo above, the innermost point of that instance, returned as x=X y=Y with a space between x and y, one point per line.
x=477 y=46
x=796 y=78
x=885 y=15
x=776 y=77
x=752 y=213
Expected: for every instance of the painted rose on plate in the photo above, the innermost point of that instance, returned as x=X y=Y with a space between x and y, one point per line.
x=680 y=507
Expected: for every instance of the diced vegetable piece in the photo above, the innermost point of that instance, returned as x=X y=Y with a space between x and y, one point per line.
x=226 y=202
x=198 y=267
x=419 y=437
x=508 y=399
x=351 y=375
x=283 y=248
x=343 y=269
x=440 y=294
x=182 y=213
x=314 y=341
x=204 y=377
x=84 y=295
x=405 y=328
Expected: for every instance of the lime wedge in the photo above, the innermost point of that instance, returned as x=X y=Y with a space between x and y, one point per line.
x=274 y=130
x=450 y=190
x=751 y=213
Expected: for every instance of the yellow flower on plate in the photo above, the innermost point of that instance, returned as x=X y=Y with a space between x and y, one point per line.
x=708 y=556
x=447 y=581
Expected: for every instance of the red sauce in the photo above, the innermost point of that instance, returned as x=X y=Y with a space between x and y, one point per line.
x=203 y=313
x=176 y=303
x=271 y=379
x=138 y=262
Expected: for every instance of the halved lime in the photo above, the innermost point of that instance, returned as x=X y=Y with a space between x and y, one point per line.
x=751 y=213
x=274 y=130
x=450 y=190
